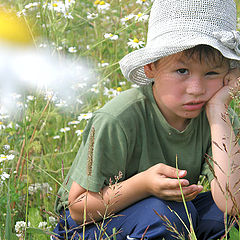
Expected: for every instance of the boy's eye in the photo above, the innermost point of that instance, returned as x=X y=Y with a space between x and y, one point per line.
x=182 y=71
x=211 y=73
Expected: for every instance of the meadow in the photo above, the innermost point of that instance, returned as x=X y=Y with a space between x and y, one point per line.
x=41 y=136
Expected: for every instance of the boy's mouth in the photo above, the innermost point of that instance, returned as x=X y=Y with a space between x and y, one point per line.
x=191 y=106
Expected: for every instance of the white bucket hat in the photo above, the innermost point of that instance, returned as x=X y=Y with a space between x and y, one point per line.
x=177 y=25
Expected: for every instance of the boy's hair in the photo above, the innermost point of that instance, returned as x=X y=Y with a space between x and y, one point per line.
x=177 y=25
x=205 y=53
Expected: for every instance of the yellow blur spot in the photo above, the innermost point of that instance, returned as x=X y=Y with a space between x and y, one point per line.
x=102 y=3
x=135 y=40
x=97 y=2
x=13 y=29
x=119 y=89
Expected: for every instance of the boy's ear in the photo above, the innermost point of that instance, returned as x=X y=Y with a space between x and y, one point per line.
x=149 y=70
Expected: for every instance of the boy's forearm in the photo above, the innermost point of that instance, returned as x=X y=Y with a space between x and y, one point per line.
x=226 y=161
x=111 y=200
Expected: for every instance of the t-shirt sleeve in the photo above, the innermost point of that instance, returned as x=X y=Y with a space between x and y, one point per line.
x=109 y=153
x=207 y=169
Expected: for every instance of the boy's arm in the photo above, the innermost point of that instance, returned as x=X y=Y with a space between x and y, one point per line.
x=225 y=149
x=160 y=181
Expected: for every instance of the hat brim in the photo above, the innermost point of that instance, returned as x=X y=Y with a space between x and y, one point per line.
x=132 y=65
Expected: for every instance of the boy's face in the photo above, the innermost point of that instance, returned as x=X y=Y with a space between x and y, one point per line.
x=183 y=85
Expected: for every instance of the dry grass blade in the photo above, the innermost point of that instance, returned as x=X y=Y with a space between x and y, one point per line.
x=90 y=152
x=215 y=143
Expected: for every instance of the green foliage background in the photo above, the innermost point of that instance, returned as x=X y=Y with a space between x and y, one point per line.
x=42 y=158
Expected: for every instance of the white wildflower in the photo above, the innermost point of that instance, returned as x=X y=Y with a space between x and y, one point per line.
x=21 y=13
x=140 y=17
x=72 y=49
x=91 y=16
x=3 y=158
x=102 y=5
x=142 y=2
x=20 y=228
x=65 y=129
x=52 y=220
x=43 y=225
x=69 y=3
x=68 y=15
x=79 y=132
x=111 y=92
x=30 y=98
x=56 y=137
x=84 y=116
x=32 y=5
x=43 y=187
x=10 y=157
x=6 y=147
x=2 y=126
x=103 y=64
x=61 y=103
x=111 y=36
x=73 y=122
x=4 y=176
x=127 y=18
x=135 y=43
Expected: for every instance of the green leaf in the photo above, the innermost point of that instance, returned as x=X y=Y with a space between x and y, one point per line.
x=38 y=231
x=8 y=224
x=34 y=217
x=234 y=234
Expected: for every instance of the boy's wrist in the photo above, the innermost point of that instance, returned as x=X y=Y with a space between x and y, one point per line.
x=216 y=111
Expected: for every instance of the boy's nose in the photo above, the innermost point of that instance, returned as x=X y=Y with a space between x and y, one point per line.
x=195 y=86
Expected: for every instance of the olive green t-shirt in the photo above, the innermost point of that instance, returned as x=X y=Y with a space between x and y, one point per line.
x=132 y=135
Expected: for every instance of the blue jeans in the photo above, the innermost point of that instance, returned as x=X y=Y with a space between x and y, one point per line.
x=142 y=218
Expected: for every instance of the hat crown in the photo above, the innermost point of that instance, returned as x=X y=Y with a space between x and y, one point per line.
x=205 y=16
x=178 y=25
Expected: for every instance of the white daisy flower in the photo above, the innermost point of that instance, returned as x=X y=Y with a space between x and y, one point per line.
x=84 y=116
x=140 y=17
x=111 y=36
x=2 y=126
x=127 y=18
x=142 y=2
x=56 y=137
x=73 y=122
x=65 y=129
x=21 y=13
x=10 y=157
x=52 y=220
x=68 y=15
x=102 y=5
x=32 y=5
x=79 y=132
x=91 y=16
x=30 y=98
x=135 y=43
x=103 y=64
x=4 y=176
x=42 y=225
x=6 y=147
x=72 y=49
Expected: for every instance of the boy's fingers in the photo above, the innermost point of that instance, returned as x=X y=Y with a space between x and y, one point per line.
x=171 y=172
x=173 y=184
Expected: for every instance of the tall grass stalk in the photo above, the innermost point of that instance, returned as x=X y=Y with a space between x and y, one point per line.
x=191 y=232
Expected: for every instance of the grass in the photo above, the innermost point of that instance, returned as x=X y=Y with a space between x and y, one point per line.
x=39 y=142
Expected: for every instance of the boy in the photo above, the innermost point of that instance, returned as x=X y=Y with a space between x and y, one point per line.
x=186 y=72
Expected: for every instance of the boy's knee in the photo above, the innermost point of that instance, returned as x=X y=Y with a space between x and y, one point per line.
x=157 y=215
x=175 y=212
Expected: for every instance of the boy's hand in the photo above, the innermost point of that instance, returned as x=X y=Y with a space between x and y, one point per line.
x=222 y=97
x=161 y=181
